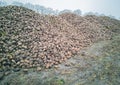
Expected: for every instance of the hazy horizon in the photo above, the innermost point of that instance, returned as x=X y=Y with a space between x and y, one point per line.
x=107 y=7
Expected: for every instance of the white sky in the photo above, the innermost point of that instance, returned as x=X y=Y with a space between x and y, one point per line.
x=108 y=7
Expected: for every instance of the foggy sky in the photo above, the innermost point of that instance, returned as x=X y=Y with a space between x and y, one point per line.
x=107 y=7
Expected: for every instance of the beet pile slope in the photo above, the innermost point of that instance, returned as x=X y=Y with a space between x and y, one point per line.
x=29 y=39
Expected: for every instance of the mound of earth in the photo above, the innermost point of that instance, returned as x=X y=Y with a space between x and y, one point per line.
x=32 y=40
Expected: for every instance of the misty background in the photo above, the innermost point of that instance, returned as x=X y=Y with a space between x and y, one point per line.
x=87 y=7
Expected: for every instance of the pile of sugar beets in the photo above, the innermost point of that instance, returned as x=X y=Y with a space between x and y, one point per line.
x=32 y=40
